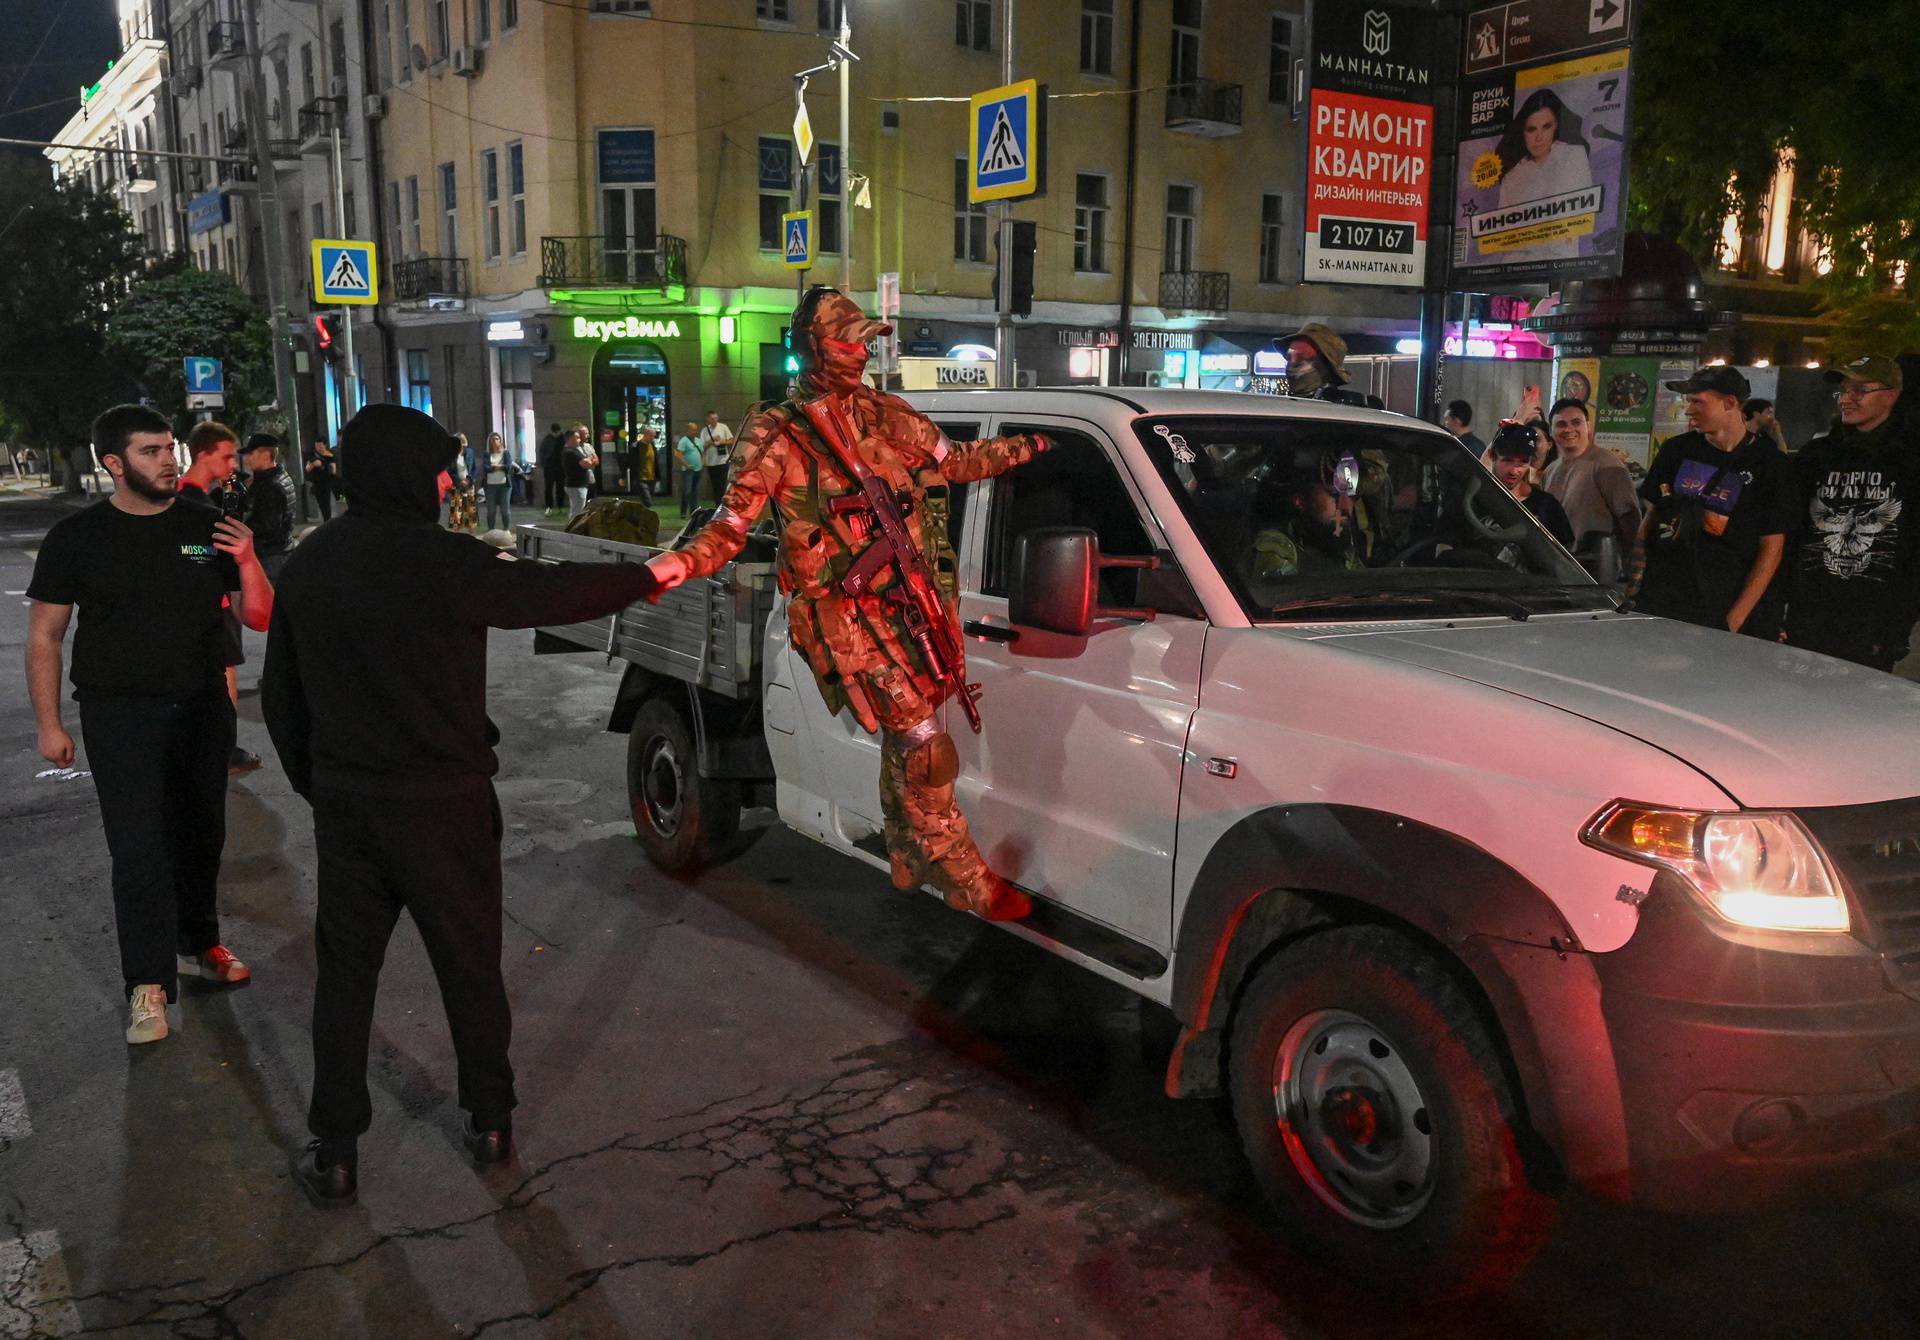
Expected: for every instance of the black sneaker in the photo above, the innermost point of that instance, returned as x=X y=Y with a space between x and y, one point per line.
x=328 y=1176
x=240 y=761
x=490 y=1145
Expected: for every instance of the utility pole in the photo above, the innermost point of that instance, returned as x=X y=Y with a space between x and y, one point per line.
x=271 y=237
x=350 y=384
x=1003 y=323
x=845 y=55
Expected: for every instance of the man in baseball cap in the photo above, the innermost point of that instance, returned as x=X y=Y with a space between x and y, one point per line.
x=1722 y=503
x=1855 y=567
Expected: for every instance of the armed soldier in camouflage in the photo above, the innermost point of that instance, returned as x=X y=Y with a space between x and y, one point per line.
x=832 y=460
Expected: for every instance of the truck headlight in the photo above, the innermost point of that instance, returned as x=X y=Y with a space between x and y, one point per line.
x=1763 y=871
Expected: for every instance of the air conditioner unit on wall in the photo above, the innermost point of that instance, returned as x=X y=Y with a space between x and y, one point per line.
x=338 y=86
x=466 y=62
x=1025 y=377
x=374 y=107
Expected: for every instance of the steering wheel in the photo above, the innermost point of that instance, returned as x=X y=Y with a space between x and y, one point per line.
x=1487 y=529
x=1405 y=556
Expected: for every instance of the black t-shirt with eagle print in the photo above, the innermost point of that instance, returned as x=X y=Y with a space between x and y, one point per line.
x=1852 y=560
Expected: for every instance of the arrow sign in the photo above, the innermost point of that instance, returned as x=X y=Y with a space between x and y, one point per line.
x=1605 y=15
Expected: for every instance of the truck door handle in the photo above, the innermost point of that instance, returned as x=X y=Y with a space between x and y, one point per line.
x=992 y=632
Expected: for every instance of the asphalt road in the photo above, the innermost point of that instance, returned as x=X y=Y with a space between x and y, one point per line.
x=782 y=1101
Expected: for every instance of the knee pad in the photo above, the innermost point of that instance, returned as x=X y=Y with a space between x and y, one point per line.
x=935 y=763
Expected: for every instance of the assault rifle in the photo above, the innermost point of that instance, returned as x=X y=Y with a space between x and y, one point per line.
x=915 y=593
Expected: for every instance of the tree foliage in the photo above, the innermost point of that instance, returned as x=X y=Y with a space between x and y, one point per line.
x=1724 y=87
x=178 y=312
x=67 y=254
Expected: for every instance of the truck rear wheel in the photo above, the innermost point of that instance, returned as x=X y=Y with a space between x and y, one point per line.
x=1371 y=1105
x=685 y=821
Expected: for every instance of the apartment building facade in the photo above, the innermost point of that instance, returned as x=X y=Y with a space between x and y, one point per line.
x=578 y=204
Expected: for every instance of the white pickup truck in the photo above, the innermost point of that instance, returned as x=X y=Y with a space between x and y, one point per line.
x=1461 y=883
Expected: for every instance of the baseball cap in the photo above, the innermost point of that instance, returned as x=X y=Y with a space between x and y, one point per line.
x=839 y=317
x=1513 y=439
x=1715 y=377
x=1870 y=368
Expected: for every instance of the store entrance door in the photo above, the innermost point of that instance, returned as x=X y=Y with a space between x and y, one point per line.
x=630 y=394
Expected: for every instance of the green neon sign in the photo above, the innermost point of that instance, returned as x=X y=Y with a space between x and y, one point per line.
x=625 y=328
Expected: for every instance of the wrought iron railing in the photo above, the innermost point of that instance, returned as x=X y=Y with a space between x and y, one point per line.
x=597 y=260
x=1194 y=291
x=1203 y=100
x=226 y=38
x=317 y=119
x=430 y=276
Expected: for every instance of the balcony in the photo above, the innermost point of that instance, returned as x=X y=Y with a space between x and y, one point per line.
x=600 y=261
x=1195 y=292
x=317 y=120
x=1204 y=107
x=285 y=152
x=427 y=277
x=143 y=174
x=226 y=42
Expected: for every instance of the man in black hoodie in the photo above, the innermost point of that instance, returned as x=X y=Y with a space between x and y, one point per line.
x=374 y=691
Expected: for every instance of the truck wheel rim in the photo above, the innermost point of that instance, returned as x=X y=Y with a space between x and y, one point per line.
x=662 y=786
x=1353 y=1119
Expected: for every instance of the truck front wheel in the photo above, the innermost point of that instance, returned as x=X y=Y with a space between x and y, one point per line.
x=1371 y=1105
x=685 y=821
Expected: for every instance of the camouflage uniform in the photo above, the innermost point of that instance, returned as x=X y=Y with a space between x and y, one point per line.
x=860 y=655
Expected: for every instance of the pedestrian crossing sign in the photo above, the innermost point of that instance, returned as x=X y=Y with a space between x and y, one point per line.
x=797 y=230
x=344 y=272
x=1007 y=142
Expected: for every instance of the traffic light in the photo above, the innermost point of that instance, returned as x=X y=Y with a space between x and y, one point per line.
x=326 y=331
x=1025 y=240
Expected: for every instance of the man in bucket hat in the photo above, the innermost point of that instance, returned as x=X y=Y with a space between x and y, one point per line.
x=1317 y=367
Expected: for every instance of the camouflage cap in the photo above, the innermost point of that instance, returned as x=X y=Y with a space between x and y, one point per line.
x=1869 y=368
x=1326 y=340
x=839 y=317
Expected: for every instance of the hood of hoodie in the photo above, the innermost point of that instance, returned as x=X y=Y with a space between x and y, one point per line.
x=391 y=457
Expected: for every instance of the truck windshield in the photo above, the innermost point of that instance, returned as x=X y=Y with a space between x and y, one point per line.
x=1312 y=520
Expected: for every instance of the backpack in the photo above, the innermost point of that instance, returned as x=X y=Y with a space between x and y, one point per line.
x=624 y=519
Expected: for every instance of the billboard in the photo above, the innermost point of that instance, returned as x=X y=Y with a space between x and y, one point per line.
x=1543 y=142
x=1369 y=149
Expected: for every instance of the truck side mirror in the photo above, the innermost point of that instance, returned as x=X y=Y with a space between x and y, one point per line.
x=1056 y=581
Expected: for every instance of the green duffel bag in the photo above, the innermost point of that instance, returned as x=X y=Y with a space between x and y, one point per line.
x=621 y=519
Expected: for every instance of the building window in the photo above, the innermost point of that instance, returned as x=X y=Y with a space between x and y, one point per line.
x=307 y=89
x=627 y=218
x=643 y=8
x=396 y=240
x=509 y=15
x=442 y=32
x=414 y=245
x=831 y=12
x=1096 y=36
x=419 y=387
x=1177 y=254
x=337 y=48
x=383 y=73
x=969 y=220
x=774 y=11
x=449 y=212
x=973 y=24
x=1280 y=61
x=831 y=199
x=319 y=222
x=1272 y=218
x=351 y=223
x=517 y=198
x=1090 y=223
x=483 y=20
x=1183 y=66
x=490 y=196
x=406 y=40
x=776 y=187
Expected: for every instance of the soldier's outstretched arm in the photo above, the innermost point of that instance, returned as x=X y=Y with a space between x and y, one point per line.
x=963 y=462
x=759 y=461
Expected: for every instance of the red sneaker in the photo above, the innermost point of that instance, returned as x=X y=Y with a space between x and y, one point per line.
x=216 y=965
x=1001 y=901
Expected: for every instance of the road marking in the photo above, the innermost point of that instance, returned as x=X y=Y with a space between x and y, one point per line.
x=33 y=1271
x=14 y=1124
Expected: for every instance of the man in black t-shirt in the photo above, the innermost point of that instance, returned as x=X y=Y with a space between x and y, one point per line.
x=1722 y=506
x=1514 y=449
x=148 y=573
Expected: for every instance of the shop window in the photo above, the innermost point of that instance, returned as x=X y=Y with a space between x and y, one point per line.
x=515 y=417
x=419 y=387
x=1072 y=484
x=1272 y=237
x=1096 y=36
x=1090 y=222
x=776 y=188
x=969 y=220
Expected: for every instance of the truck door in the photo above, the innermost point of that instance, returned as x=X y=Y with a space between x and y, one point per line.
x=1073 y=787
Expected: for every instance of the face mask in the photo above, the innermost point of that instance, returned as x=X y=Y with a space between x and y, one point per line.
x=837 y=364
x=1306 y=381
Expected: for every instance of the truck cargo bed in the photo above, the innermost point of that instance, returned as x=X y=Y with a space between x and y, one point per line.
x=706 y=633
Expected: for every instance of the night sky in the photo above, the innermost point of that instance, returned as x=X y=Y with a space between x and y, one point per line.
x=75 y=39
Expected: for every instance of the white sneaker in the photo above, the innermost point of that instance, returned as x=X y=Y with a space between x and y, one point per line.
x=147 y=1014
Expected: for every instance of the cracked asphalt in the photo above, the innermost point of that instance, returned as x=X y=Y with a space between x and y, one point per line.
x=780 y=1101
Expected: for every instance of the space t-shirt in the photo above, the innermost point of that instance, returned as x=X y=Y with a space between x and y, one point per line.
x=1852 y=561
x=1745 y=495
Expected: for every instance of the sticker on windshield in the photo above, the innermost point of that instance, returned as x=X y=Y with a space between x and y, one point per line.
x=1176 y=443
